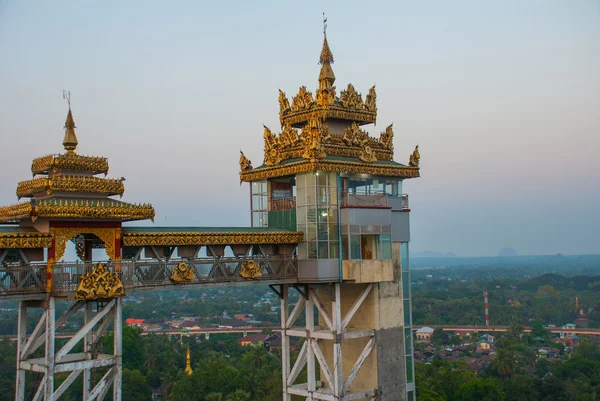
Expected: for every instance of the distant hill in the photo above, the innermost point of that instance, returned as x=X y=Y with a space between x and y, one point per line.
x=578 y=283
x=507 y=252
x=432 y=254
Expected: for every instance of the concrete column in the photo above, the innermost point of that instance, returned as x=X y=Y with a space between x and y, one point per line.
x=389 y=335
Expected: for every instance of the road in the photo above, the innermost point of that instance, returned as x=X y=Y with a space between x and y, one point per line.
x=481 y=329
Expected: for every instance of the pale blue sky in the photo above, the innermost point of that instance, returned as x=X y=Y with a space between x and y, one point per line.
x=503 y=98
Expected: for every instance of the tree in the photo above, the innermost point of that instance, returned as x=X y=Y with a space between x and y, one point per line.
x=135 y=387
x=504 y=364
x=239 y=395
x=480 y=390
x=440 y=337
x=214 y=397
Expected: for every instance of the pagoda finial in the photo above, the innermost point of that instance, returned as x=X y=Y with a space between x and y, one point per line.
x=188 y=363
x=70 y=141
x=326 y=55
x=326 y=91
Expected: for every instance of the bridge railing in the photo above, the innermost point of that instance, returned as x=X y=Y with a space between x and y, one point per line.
x=31 y=278
x=22 y=279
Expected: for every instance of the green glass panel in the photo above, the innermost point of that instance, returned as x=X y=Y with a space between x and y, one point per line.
x=355 y=247
x=323 y=250
x=311 y=232
x=409 y=369
x=345 y=250
x=323 y=215
x=321 y=178
x=322 y=231
x=334 y=250
x=405 y=285
x=404 y=250
x=406 y=304
x=312 y=250
x=311 y=214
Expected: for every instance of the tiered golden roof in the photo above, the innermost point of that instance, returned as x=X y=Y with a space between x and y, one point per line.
x=348 y=106
x=67 y=188
x=323 y=133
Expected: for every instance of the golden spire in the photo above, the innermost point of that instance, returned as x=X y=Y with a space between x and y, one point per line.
x=326 y=91
x=188 y=367
x=326 y=55
x=70 y=141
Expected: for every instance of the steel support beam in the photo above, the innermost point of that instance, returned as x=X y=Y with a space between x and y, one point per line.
x=63 y=361
x=332 y=331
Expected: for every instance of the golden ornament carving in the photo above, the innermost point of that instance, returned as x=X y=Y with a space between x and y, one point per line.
x=387 y=138
x=367 y=155
x=182 y=273
x=272 y=156
x=333 y=166
x=25 y=240
x=354 y=136
x=326 y=112
x=284 y=103
x=107 y=235
x=209 y=238
x=250 y=270
x=245 y=163
x=288 y=138
x=414 y=158
x=303 y=100
x=371 y=100
x=99 y=284
x=313 y=135
x=67 y=183
x=350 y=98
x=69 y=161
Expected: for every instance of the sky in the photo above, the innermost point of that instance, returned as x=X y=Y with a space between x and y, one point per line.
x=503 y=98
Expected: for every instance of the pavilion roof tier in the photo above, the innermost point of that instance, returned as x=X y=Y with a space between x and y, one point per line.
x=71 y=184
x=82 y=209
x=69 y=162
x=349 y=106
x=315 y=148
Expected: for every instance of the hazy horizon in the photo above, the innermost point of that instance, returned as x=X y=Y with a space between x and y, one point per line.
x=503 y=98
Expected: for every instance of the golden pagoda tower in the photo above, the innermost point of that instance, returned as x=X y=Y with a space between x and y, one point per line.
x=188 y=365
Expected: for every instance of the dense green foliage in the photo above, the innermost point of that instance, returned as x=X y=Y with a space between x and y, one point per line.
x=550 y=299
x=514 y=375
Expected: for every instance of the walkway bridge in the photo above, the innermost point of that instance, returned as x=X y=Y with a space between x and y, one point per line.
x=29 y=282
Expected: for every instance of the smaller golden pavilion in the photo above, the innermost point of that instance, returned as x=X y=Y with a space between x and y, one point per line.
x=68 y=201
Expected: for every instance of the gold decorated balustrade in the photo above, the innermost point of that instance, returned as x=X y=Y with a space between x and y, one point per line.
x=68 y=183
x=69 y=161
